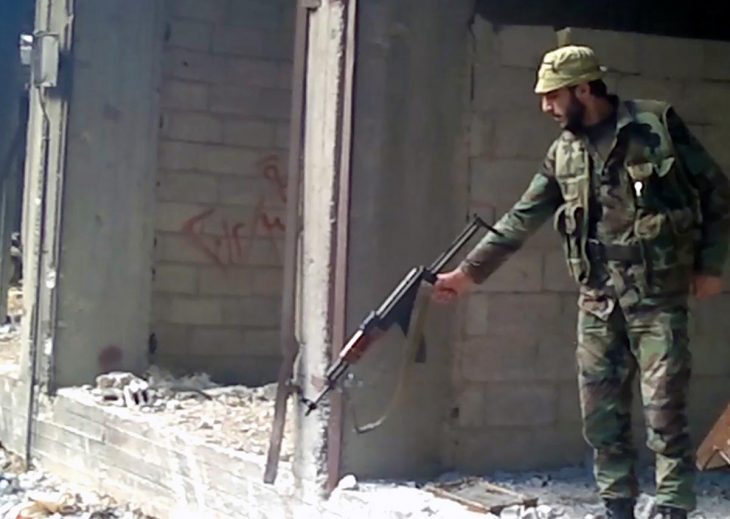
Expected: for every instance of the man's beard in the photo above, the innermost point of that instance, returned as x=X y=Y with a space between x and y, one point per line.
x=574 y=115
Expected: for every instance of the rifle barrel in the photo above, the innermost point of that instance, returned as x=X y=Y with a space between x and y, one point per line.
x=466 y=234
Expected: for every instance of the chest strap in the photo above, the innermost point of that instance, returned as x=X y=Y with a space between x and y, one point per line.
x=598 y=251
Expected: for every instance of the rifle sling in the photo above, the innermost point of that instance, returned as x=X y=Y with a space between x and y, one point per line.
x=413 y=338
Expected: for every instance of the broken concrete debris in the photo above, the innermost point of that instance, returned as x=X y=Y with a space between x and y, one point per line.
x=349 y=482
x=236 y=417
x=567 y=493
x=570 y=492
x=34 y=494
x=125 y=389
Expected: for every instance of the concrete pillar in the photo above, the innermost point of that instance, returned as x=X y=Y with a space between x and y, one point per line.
x=322 y=134
x=94 y=234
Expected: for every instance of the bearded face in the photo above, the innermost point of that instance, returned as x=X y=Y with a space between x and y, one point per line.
x=565 y=108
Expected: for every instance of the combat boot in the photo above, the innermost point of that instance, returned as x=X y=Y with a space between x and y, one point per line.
x=619 y=508
x=668 y=512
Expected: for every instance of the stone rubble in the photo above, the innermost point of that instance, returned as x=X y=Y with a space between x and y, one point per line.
x=562 y=494
x=34 y=494
x=569 y=493
x=236 y=417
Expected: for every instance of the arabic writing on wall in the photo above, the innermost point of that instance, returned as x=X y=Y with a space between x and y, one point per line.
x=227 y=242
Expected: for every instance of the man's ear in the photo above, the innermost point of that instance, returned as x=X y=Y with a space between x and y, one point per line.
x=582 y=91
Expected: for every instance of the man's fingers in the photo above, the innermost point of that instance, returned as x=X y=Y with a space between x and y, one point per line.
x=444 y=295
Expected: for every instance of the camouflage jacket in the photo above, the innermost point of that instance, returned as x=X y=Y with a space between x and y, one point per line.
x=667 y=208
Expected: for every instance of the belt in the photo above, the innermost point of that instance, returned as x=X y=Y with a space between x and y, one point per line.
x=606 y=251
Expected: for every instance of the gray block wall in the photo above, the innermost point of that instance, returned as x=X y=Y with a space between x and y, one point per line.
x=221 y=187
x=514 y=374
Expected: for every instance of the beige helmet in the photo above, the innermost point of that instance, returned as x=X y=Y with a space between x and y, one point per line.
x=567 y=66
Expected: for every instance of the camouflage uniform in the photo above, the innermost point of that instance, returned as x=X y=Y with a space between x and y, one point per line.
x=635 y=227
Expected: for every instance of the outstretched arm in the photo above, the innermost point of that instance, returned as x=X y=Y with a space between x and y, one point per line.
x=540 y=200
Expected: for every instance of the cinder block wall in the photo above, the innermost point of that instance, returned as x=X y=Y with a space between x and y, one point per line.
x=222 y=186
x=514 y=371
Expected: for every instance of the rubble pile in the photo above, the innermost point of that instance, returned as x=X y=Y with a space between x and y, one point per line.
x=35 y=495
x=383 y=499
x=236 y=417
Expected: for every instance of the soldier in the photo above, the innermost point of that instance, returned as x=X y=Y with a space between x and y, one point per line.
x=642 y=211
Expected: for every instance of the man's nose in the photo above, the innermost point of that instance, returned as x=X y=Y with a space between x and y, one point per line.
x=546 y=105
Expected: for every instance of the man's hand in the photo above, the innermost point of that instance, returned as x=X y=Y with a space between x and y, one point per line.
x=451 y=285
x=706 y=286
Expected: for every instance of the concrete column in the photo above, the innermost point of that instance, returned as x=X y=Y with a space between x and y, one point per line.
x=96 y=238
x=322 y=134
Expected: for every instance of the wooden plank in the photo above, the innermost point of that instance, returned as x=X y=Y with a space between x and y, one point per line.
x=289 y=344
x=479 y=495
x=714 y=451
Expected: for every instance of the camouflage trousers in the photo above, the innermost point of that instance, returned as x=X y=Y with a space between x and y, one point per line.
x=610 y=352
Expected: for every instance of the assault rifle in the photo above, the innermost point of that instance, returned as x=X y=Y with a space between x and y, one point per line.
x=395 y=309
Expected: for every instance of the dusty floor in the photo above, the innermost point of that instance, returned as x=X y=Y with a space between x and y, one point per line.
x=567 y=493
x=571 y=490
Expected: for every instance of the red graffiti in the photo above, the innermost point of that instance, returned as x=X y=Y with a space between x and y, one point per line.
x=272 y=224
x=272 y=173
x=193 y=230
x=224 y=241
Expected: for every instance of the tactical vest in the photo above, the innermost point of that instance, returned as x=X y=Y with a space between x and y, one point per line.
x=666 y=209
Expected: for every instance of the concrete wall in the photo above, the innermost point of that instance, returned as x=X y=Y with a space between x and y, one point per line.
x=105 y=261
x=514 y=372
x=408 y=202
x=221 y=183
x=91 y=234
